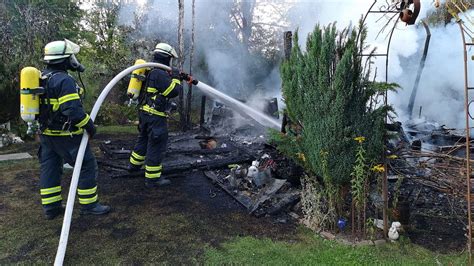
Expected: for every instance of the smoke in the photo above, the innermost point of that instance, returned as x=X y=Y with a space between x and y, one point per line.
x=441 y=90
x=225 y=62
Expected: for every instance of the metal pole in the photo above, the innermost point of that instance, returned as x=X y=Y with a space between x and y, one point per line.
x=203 y=110
x=420 y=69
x=385 y=174
x=468 y=135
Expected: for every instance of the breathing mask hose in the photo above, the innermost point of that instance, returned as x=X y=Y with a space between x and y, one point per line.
x=84 y=91
x=80 y=157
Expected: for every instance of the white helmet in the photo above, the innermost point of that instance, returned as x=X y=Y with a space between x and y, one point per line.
x=60 y=49
x=165 y=48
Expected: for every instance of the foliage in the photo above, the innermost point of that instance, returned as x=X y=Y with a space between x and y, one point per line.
x=116 y=114
x=25 y=27
x=327 y=93
x=359 y=176
x=330 y=100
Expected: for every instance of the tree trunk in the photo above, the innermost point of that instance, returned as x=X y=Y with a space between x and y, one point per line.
x=181 y=61
x=189 y=97
x=247 y=9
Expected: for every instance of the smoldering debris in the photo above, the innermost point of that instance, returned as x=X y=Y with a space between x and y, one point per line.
x=426 y=173
x=253 y=173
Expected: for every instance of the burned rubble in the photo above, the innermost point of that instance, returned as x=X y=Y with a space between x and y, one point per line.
x=235 y=156
x=426 y=173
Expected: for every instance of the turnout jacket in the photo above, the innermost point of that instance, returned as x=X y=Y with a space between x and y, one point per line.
x=160 y=87
x=61 y=110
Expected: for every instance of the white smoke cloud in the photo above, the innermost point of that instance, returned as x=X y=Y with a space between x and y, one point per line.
x=441 y=91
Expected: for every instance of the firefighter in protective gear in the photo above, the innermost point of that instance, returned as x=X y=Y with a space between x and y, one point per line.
x=62 y=122
x=159 y=87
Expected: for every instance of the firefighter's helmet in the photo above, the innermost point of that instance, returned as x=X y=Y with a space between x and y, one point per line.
x=166 y=49
x=56 y=50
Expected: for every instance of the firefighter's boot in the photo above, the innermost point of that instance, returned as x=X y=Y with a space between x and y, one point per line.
x=96 y=209
x=52 y=213
x=133 y=168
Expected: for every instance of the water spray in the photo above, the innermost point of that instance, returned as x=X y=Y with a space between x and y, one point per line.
x=206 y=89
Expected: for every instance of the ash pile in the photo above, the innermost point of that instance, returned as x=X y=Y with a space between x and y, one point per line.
x=426 y=172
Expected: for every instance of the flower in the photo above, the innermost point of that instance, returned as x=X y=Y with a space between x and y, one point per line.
x=360 y=139
x=378 y=168
x=393 y=156
x=301 y=156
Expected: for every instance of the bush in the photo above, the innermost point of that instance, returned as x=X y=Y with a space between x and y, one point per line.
x=116 y=114
x=330 y=101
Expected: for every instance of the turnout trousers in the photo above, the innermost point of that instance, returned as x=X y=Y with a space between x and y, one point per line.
x=53 y=152
x=151 y=145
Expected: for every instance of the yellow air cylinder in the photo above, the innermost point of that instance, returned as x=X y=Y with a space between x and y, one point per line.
x=29 y=99
x=138 y=75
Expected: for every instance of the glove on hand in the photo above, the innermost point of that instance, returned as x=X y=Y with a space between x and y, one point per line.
x=175 y=73
x=90 y=128
x=188 y=78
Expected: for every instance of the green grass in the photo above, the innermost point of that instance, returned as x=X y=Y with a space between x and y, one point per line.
x=314 y=250
x=132 y=129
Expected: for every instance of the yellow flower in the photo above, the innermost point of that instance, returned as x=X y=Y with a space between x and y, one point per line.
x=360 y=139
x=378 y=168
x=301 y=156
x=393 y=156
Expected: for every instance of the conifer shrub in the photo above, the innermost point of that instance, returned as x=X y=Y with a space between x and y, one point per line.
x=330 y=100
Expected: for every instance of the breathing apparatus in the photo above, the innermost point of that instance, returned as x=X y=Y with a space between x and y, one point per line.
x=136 y=81
x=30 y=92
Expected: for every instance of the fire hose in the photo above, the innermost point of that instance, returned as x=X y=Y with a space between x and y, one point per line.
x=206 y=89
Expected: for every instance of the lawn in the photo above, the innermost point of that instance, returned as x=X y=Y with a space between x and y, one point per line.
x=190 y=222
x=310 y=249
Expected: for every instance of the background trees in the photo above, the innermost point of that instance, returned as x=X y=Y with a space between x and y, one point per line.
x=236 y=47
x=25 y=26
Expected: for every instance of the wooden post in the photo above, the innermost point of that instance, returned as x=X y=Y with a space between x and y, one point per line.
x=189 y=96
x=181 y=61
x=203 y=111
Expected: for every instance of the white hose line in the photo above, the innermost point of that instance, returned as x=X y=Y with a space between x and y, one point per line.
x=80 y=156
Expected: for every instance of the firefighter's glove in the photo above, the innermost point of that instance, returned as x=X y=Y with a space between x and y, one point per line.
x=90 y=128
x=175 y=73
x=188 y=78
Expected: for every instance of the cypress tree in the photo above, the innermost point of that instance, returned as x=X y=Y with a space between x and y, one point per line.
x=328 y=94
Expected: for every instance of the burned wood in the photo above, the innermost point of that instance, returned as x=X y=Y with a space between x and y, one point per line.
x=110 y=164
x=202 y=151
x=289 y=199
x=198 y=165
x=103 y=147
x=242 y=199
x=125 y=154
x=267 y=193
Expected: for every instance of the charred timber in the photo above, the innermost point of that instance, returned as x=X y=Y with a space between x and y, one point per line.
x=198 y=165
